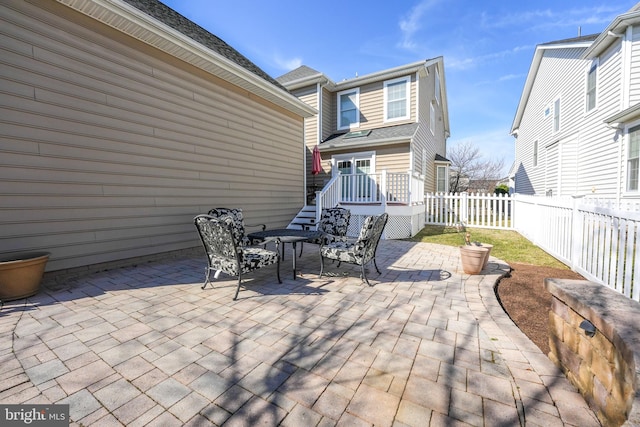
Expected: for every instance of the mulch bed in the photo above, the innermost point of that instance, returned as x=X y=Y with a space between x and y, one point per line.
x=525 y=300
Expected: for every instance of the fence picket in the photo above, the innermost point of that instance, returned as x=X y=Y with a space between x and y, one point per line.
x=596 y=237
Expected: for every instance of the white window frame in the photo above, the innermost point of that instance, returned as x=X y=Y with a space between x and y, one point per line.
x=557 y=115
x=407 y=98
x=536 y=151
x=588 y=93
x=432 y=118
x=437 y=89
x=445 y=178
x=629 y=159
x=355 y=124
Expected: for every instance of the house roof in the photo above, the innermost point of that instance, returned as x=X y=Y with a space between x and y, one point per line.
x=613 y=32
x=440 y=158
x=370 y=137
x=624 y=116
x=582 y=42
x=159 y=26
x=306 y=76
x=300 y=74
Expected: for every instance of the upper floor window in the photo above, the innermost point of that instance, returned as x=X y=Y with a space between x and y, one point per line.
x=437 y=86
x=633 y=160
x=535 y=153
x=432 y=118
x=396 y=99
x=592 y=86
x=348 y=111
x=556 y=115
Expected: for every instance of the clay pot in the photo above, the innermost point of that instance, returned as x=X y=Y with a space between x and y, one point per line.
x=486 y=259
x=21 y=274
x=473 y=258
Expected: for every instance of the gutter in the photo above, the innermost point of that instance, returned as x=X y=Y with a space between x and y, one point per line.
x=131 y=21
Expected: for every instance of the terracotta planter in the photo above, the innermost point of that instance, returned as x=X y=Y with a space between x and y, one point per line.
x=21 y=274
x=486 y=259
x=473 y=258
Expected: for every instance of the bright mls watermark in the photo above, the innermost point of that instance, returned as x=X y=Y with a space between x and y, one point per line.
x=34 y=415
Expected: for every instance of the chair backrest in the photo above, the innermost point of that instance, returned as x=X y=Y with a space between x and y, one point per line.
x=238 y=220
x=219 y=241
x=334 y=221
x=370 y=234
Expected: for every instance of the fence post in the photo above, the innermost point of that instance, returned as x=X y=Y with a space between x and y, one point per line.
x=464 y=207
x=576 y=235
x=383 y=189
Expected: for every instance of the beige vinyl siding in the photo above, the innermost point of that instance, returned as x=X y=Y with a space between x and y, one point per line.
x=309 y=96
x=371 y=107
x=108 y=148
x=393 y=159
x=433 y=143
x=328 y=113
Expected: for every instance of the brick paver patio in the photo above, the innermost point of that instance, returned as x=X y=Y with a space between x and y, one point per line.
x=145 y=346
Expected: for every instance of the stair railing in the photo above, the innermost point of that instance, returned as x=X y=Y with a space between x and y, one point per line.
x=329 y=196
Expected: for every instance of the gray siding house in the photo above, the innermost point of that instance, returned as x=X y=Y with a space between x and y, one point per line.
x=382 y=139
x=577 y=124
x=122 y=120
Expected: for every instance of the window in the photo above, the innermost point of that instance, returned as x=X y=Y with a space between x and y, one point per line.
x=633 y=161
x=441 y=179
x=348 y=113
x=396 y=99
x=591 y=86
x=535 y=153
x=432 y=119
x=556 y=115
x=437 y=86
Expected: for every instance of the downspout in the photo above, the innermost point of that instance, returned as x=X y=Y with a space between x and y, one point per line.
x=626 y=84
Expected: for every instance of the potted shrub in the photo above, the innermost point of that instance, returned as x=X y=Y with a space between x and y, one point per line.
x=21 y=274
x=474 y=255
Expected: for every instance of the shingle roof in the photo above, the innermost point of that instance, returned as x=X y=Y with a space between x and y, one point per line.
x=299 y=73
x=379 y=135
x=588 y=38
x=192 y=30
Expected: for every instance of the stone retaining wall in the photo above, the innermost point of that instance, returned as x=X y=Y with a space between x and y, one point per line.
x=604 y=367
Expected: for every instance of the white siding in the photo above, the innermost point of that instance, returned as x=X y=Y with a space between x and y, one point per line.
x=109 y=148
x=634 y=92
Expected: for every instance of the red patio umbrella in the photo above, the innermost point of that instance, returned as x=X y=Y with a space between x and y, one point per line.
x=316 y=161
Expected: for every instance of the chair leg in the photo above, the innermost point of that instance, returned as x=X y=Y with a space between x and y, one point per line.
x=321 y=264
x=376 y=265
x=278 y=269
x=206 y=279
x=238 y=288
x=364 y=276
x=301 y=246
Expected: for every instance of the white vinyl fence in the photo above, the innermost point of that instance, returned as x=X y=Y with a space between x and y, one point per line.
x=472 y=210
x=597 y=238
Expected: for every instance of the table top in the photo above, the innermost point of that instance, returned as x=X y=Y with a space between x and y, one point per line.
x=284 y=235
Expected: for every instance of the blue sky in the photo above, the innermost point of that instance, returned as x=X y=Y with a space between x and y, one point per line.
x=487 y=45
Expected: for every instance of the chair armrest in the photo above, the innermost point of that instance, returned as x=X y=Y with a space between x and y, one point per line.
x=264 y=226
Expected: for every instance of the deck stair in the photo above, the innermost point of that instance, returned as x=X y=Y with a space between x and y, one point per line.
x=305 y=219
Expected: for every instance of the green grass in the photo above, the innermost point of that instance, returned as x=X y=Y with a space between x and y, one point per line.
x=508 y=246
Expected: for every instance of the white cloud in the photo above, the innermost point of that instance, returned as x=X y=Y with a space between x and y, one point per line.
x=412 y=23
x=287 y=64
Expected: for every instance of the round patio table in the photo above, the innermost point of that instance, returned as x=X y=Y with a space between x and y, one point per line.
x=285 y=235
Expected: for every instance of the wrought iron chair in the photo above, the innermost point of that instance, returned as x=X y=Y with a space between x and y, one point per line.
x=360 y=251
x=224 y=253
x=238 y=223
x=333 y=226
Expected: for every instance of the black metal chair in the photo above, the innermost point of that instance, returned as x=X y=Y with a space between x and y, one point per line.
x=360 y=251
x=224 y=252
x=333 y=226
x=238 y=223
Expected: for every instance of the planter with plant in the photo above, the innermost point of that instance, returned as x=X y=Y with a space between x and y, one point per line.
x=474 y=255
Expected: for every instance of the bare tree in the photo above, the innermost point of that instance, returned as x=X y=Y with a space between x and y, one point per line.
x=470 y=172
